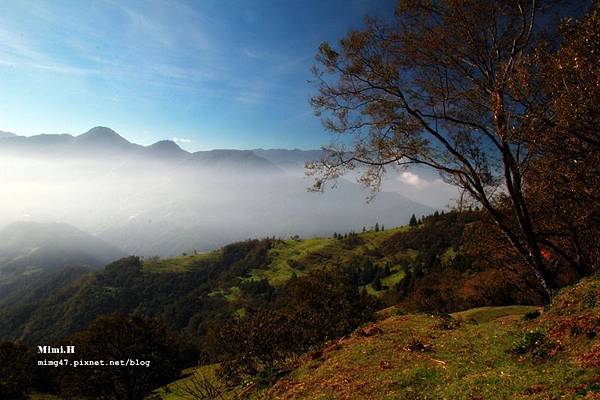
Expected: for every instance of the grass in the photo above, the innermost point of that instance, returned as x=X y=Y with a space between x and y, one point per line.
x=180 y=264
x=486 y=314
x=179 y=389
x=288 y=252
x=421 y=356
x=231 y=294
x=387 y=283
x=383 y=234
x=292 y=257
x=471 y=361
x=448 y=255
x=295 y=257
x=393 y=279
x=286 y=259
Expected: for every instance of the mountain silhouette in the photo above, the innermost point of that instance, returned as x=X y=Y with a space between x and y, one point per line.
x=31 y=246
x=163 y=200
x=4 y=134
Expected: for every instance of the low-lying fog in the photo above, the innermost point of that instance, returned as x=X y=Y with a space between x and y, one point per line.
x=165 y=202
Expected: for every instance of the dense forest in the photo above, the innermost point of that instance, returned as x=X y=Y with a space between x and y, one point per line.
x=395 y=265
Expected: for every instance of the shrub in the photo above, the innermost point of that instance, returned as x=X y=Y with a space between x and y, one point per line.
x=588 y=299
x=310 y=310
x=447 y=322
x=257 y=345
x=536 y=343
x=114 y=338
x=400 y=311
x=326 y=305
x=531 y=315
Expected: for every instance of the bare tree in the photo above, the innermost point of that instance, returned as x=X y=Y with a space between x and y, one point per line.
x=204 y=386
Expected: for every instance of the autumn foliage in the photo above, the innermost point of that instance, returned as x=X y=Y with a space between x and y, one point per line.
x=496 y=98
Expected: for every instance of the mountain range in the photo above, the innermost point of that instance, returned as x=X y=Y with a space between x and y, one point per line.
x=163 y=200
x=103 y=141
x=4 y=134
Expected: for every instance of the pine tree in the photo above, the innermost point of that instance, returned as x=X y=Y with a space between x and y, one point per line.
x=376 y=226
x=413 y=221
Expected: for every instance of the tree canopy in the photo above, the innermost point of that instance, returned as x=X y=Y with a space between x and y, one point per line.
x=442 y=85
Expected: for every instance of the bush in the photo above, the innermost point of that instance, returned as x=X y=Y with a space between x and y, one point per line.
x=447 y=322
x=257 y=345
x=326 y=304
x=114 y=338
x=310 y=310
x=536 y=343
x=531 y=315
x=588 y=299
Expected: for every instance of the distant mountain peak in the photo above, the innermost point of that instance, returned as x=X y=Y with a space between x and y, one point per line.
x=101 y=130
x=166 y=144
x=243 y=160
x=4 y=134
x=102 y=133
x=166 y=148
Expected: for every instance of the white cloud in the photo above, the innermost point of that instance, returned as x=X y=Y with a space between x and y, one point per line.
x=134 y=216
x=181 y=140
x=413 y=179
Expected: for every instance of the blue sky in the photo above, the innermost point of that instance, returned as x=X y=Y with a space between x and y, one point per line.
x=215 y=73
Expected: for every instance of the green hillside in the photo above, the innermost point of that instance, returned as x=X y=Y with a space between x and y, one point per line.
x=181 y=290
x=194 y=291
x=510 y=352
x=484 y=353
x=294 y=257
x=180 y=264
x=255 y=310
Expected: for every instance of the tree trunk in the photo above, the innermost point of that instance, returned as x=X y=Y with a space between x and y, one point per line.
x=512 y=178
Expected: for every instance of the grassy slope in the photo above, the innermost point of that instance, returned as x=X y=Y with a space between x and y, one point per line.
x=486 y=314
x=323 y=251
x=286 y=253
x=181 y=389
x=180 y=264
x=319 y=253
x=471 y=361
x=296 y=257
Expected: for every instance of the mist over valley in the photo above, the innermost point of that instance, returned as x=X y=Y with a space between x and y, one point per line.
x=161 y=200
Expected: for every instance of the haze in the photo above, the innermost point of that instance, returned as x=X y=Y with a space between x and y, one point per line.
x=161 y=200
